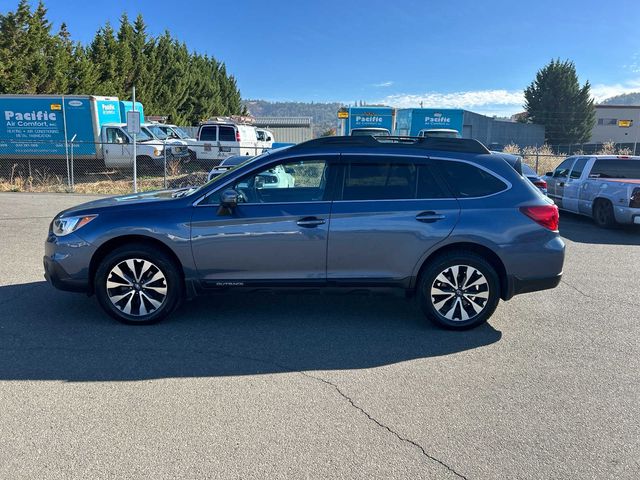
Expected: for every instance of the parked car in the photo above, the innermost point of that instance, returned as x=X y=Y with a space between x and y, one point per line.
x=227 y=164
x=442 y=219
x=439 y=132
x=534 y=178
x=176 y=148
x=603 y=187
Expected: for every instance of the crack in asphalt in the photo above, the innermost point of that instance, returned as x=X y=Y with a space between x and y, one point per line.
x=382 y=425
x=604 y=300
x=315 y=378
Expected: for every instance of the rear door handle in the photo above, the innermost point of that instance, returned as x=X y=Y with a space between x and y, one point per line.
x=310 y=222
x=429 y=217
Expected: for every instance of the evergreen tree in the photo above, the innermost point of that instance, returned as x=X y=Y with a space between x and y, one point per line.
x=556 y=100
x=170 y=80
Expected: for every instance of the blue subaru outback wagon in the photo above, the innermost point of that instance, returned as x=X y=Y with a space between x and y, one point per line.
x=440 y=218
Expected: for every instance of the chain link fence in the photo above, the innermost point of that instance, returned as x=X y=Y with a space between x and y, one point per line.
x=107 y=168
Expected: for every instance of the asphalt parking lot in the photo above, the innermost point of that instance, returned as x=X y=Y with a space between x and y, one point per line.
x=320 y=386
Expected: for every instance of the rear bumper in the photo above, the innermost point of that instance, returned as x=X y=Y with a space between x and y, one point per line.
x=519 y=285
x=627 y=215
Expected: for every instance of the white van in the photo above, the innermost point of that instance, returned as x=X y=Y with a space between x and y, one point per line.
x=265 y=139
x=219 y=139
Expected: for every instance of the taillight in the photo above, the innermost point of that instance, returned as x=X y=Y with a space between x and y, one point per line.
x=540 y=184
x=545 y=215
x=635 y=198
x=237 y=135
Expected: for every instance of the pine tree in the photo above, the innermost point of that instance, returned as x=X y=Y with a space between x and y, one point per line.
x=556 y=100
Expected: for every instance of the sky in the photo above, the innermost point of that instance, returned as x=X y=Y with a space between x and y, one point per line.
x=472 y=54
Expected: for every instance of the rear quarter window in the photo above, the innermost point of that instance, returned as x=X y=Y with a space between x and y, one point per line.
x=467 y=180
x=622 y=168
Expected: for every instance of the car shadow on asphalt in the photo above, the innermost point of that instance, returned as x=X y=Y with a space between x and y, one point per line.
x=581 y=229
x=46 y=334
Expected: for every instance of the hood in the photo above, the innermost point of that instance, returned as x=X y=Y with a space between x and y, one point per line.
x=124 y=200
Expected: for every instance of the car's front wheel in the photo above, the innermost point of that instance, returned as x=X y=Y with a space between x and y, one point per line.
x=138 y=284
x=459 y=290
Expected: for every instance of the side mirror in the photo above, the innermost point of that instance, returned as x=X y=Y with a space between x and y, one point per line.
x=228 y=201
x=549 y=174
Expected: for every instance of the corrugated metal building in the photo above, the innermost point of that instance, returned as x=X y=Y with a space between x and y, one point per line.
x=616 y=123
x=488 y=130
x=287 y=129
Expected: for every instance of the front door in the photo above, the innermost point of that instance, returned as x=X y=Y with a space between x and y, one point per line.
x=388 y=211
x=573 y=185
x=556 y=184
x=276 y=235
x=118 y=151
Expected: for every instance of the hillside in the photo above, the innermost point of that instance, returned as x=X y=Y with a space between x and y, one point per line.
x=624 y=99
x=324 y=115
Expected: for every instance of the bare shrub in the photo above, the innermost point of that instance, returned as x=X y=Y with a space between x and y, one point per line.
x=174 y=167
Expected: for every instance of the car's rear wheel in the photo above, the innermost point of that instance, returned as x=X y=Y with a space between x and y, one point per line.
x=459 y=290
x=603 y=214
x=138 y=284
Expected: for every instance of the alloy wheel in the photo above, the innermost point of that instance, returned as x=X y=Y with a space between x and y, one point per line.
x=136 y=287
x=460 y=293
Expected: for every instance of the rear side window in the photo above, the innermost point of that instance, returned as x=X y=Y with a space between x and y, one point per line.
x=578 y=167
x=616 y=169
x=467 y=180
x=227 y=134
x=379 y=182
x=208 y=134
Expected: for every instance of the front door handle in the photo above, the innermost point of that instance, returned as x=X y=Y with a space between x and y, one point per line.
x=429 y=217
x=310 y=222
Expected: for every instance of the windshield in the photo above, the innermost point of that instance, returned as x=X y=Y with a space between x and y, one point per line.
x=376 y=132
x=176 y=132
x=157 y=132
x=144 y=135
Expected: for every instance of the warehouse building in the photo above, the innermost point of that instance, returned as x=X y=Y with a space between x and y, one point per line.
x=287 y=129
x=616 y=123
x=490 y=131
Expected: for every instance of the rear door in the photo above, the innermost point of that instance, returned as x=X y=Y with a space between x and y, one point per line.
x=208 y=137
x=227 y=141
x=389 y=210
x=573 y=185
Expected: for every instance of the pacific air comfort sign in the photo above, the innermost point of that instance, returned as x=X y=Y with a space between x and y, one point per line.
x=433 y=118
x=370 y=117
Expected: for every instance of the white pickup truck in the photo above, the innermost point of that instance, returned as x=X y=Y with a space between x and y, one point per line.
x=603 y=187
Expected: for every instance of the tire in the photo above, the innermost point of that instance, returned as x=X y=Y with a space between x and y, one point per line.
x=138 y=284
x=603 y=215
x=459 y=308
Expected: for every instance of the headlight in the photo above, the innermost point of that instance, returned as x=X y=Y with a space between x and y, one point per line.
x=157 y=152
x=64 y=226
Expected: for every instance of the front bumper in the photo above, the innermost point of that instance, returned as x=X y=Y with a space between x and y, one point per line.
x=66 y=262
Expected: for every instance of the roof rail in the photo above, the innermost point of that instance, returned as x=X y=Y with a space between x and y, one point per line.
x=462 y=145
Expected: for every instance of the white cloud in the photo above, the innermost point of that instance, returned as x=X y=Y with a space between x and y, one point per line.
x=492 y=102
x=383 y=84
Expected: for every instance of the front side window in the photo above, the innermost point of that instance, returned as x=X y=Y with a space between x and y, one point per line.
x=115 y=135
x=285 y=182
x=562 y=170
x=467 y=180
x=578 y=167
